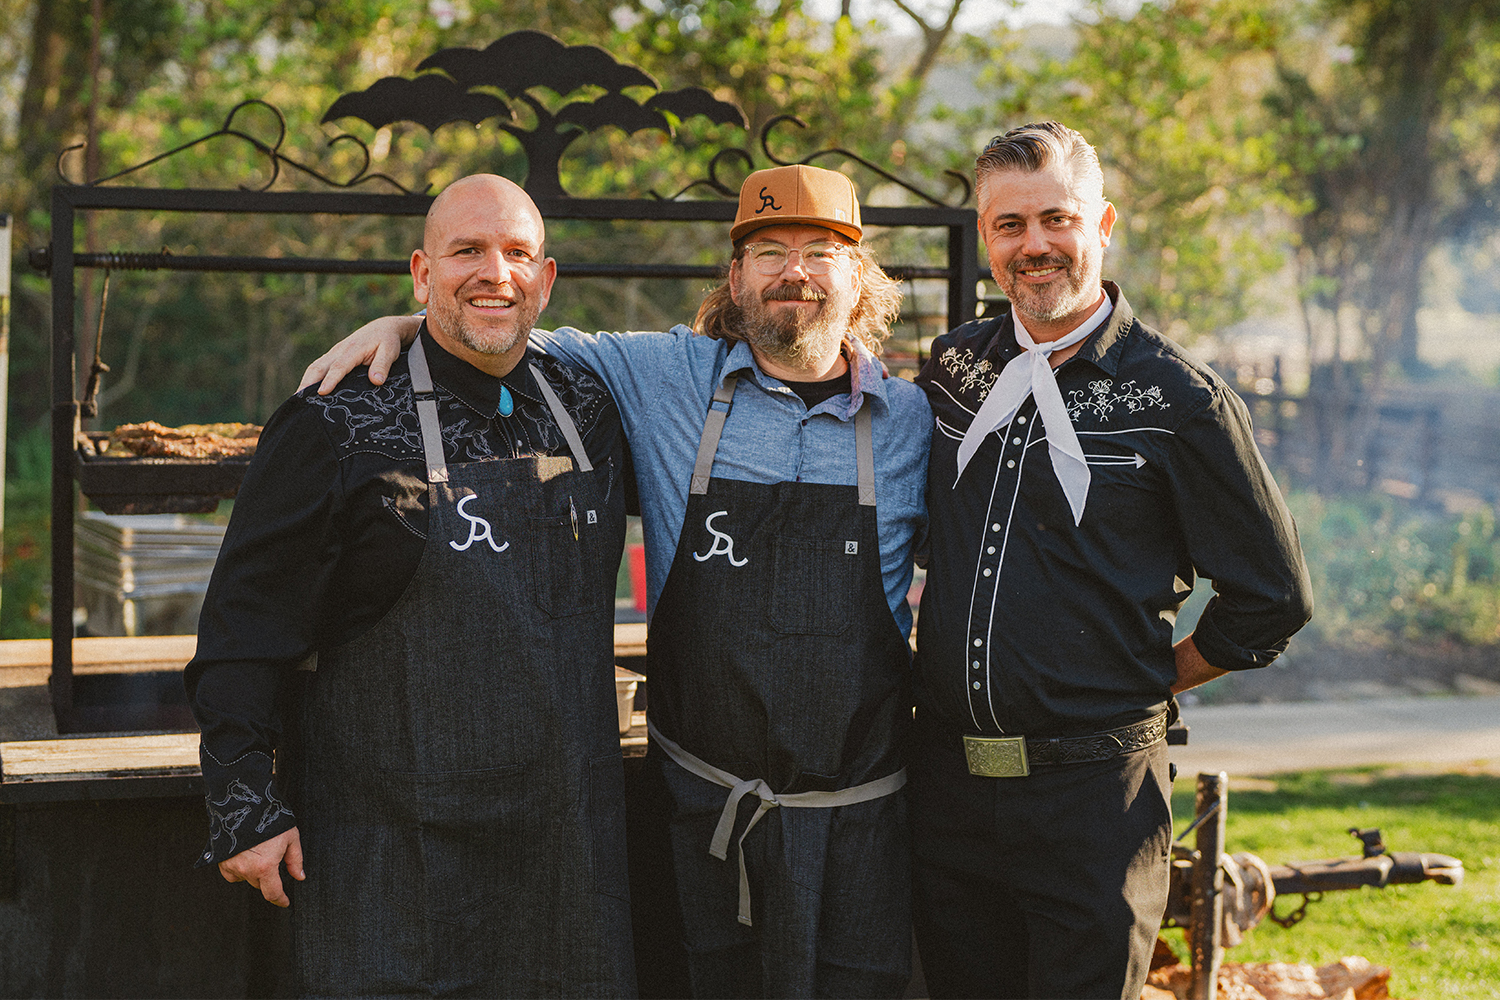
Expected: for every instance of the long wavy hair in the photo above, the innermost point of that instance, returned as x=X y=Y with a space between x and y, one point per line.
x=877 y=310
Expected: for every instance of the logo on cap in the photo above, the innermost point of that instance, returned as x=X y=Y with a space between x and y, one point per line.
x=766 y=201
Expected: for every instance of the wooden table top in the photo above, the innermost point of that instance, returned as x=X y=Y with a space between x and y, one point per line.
x=111 y=766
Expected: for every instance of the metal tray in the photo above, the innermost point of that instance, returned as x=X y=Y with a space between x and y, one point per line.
x=135 y=485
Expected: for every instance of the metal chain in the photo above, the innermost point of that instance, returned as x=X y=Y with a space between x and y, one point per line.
x=1299 y=914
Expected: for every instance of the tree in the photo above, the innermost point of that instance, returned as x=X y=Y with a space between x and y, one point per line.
x=1393 y=146
x=1168 y=95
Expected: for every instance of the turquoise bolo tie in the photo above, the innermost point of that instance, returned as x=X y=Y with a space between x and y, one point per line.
x=507 y=405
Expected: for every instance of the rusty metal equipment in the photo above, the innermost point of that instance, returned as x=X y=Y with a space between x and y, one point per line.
x=1218 y=901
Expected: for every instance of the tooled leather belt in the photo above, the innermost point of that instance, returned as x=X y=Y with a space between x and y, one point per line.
x=1098 y=746
x=1014 y=756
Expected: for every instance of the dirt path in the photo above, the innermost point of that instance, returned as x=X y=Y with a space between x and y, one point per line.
x=1432 y=733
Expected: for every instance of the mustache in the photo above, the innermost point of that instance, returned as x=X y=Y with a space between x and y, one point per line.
x=1032 y=263
x=793 y=293
x=489 y=288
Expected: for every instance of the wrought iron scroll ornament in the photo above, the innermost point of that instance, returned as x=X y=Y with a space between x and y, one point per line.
x=274 y=156
x=765 y=137
x=461 y=85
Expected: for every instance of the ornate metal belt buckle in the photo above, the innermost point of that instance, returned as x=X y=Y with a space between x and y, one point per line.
x=997 y=756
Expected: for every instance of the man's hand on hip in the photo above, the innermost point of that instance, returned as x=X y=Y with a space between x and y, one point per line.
x=261 y=865
x=1192 y=668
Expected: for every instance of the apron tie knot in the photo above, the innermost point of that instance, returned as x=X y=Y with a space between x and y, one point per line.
x=740 y=787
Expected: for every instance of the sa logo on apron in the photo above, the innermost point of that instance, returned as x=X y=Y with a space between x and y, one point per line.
x=476 y=533
x=723 y=543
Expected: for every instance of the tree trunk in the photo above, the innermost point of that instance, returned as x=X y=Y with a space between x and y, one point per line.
x=933 y=40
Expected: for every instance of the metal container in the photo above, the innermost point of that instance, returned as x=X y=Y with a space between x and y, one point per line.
x=627 y=682
x=142 y=574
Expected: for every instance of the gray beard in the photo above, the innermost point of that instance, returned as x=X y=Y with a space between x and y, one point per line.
x=491 y=342
x=1054 y=302
x=498 y=342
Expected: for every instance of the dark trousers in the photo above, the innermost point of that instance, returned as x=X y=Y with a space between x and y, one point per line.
x=1052 y=885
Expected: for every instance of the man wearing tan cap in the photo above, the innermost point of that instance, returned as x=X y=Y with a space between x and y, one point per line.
x=782 y=485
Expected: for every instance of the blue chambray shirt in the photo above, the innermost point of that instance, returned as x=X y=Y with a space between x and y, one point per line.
x=663 y=383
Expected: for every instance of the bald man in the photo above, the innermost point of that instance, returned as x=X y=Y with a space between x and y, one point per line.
x=404 y=675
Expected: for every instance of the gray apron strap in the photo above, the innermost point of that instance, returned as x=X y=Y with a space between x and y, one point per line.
x=427 y=414
x=865 y=455
x=564 y=422
x=739 y=788
x=713 y=429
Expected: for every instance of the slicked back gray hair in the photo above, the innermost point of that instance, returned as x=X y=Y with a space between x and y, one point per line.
x=1037 y=145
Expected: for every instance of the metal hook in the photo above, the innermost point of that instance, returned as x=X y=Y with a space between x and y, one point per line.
x=90 y=405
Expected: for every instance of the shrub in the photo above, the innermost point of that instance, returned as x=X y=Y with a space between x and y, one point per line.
x=1383 y=569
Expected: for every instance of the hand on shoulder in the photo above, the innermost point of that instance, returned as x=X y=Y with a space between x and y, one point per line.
x=378 y=344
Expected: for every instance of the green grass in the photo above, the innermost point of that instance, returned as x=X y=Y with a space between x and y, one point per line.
x=1439 y=941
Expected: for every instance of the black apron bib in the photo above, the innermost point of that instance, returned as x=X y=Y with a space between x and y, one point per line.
x=778 y=677
x=460 y=773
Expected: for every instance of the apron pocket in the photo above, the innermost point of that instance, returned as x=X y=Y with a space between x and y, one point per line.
x=459 y=846
x=812 y=585
x=561 y=565
x=607 y=825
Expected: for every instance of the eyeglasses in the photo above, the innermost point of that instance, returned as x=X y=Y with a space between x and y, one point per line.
x=817 y=258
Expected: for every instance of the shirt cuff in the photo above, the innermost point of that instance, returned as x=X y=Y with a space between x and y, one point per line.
x=1222 y=652
x=244 y=806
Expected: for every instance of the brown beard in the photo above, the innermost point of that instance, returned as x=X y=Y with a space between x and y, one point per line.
x=795 y=338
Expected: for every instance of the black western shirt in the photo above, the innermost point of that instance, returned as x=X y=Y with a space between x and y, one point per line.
x=327 y=532
x=1032 y=625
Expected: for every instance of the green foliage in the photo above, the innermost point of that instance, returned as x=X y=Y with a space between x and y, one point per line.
x=1383 y=570
x=1386 y=112
x=1439 y=941
x=773 y=61
x=1167 y=95
x=24 y=602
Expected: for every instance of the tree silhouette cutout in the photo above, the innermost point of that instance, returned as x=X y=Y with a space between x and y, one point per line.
x=516 y=64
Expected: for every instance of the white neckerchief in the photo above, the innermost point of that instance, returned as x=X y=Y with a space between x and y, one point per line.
x=1030 y=374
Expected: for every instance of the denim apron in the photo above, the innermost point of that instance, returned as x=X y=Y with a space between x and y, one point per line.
x=461 y=799
x=779 y=706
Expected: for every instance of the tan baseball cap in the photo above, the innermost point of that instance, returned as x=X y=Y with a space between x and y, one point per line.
x=798 y=194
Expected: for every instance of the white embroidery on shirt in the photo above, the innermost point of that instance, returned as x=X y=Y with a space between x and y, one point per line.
x=723 y=543
x=275 y=809
x=475 y=532
x=971 y=375
x=1100 y=401
x=224 y=823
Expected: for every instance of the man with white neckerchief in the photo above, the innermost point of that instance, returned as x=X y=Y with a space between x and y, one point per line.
x=1084 y=470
